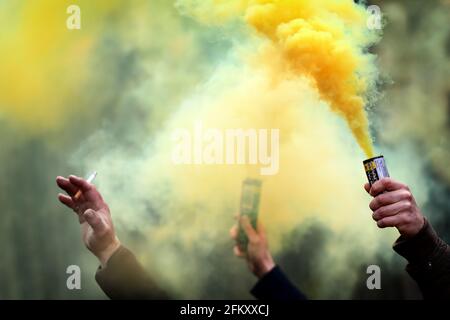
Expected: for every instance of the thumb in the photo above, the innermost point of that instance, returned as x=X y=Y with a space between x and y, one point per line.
x=94 y=220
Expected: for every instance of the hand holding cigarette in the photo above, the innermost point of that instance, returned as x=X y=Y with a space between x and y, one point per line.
x=89 y=180
x=394 y=206
x=93 y=213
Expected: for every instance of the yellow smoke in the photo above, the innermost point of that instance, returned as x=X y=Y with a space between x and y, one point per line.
x=320 y=178
x=43 y=65
x=310 y=61
x=306 y=58
x=264 y=64
x=323 y=40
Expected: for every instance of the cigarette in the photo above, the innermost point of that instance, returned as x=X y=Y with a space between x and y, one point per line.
x=90 y=179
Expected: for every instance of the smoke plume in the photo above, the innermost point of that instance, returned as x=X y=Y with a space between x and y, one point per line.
x=110 y=96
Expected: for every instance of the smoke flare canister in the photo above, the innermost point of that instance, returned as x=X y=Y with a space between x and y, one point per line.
x=376 y=169
x=250 y=199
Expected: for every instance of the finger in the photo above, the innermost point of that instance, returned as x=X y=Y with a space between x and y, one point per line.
x=234 y=231
x=66 y=200
x=392 y=221
x=80 y=183
x=261 y=230
x=248 y=229
x=389 y=198
x=391 y=210
x=66 y=185
x=238 y=252
x=94 y=220
x=385 y=184
x=367 y=187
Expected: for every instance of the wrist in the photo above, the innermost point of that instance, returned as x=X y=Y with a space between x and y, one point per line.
x=415 y=228
x=264 y=267
x=420 y=224
x=104 y=255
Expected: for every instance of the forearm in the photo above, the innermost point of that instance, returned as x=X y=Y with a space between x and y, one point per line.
x=428 y=262
x=104 y=255
x=123 y=278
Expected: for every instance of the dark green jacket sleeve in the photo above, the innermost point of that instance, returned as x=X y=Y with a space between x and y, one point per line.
x=123 y=278
x=429 y=262
x=275 y=286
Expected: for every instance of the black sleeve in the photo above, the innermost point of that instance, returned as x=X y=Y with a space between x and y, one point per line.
x=276 y=286
x=429 y=262
x=123 y=278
